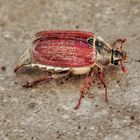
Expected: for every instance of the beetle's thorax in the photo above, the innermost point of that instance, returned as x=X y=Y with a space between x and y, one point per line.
x=103 y=54
x=103 y=59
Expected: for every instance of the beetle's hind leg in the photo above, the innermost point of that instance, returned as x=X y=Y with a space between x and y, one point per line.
x=47 y=78
x=101 y=76
x=85 y=87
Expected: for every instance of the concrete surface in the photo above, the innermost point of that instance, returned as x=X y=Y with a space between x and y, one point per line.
x=46 y=112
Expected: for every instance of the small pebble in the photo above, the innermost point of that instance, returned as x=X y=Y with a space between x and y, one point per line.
x=132 y=117
x=77 y=26
x=137 y=60
x=3 y=68
x=15 y=83
x=32 y=105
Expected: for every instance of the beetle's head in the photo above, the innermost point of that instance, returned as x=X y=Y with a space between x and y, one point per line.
x=24 y=60
x=118 y=54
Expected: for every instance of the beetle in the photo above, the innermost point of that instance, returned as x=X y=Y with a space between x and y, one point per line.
x=72 y=52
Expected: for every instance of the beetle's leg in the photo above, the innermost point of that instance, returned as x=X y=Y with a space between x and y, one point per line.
x=85 y=87
x=35 y=82
x=101 y=76
x=47 y=78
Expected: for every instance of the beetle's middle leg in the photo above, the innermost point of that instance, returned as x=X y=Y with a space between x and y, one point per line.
x=85 y=87
x=101 y=76
x=47 y=78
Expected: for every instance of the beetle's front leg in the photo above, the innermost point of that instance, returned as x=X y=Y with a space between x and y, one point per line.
x=47 y=78
x=101 y=76
x=85 y=87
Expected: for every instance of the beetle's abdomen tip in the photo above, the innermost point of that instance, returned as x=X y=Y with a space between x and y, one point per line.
x=17 y=68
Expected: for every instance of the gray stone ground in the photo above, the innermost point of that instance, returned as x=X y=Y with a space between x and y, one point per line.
x=46 y=112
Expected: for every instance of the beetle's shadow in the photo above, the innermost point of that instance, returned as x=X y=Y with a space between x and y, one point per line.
x=110 y=72
x=113 y=73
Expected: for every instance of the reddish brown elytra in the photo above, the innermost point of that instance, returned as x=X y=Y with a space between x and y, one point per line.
x=75 y=52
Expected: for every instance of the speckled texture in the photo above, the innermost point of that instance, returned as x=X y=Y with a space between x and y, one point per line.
x=46 y=112
x=70 y=49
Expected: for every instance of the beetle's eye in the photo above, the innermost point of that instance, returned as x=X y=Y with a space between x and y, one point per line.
x=91 y=41
x=115 y=63
x=116 y=53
